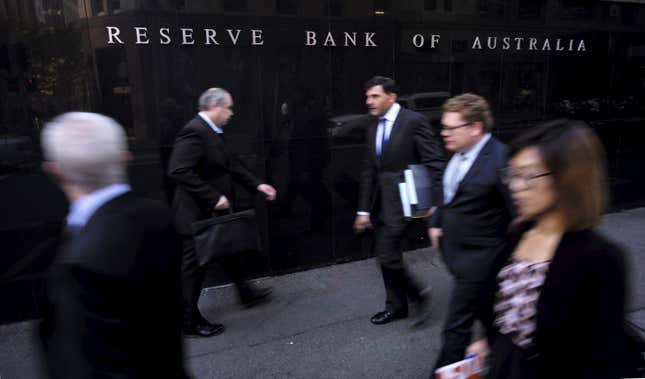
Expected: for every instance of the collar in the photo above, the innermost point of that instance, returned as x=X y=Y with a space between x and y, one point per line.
x=392 y=113
x=474 y=151
x=82 y=209
x=210 y=123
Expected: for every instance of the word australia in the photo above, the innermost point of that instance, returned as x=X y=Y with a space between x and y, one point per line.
x=528 y=43
x=142 y=35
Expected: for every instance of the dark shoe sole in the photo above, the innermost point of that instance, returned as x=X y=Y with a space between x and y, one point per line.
x=392 y=319
x=194 y=334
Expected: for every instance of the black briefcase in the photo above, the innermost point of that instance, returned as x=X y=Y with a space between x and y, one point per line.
x=225 y=235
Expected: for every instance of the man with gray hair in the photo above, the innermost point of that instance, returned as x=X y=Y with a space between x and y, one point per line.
x=204 y=171
x=114 y=289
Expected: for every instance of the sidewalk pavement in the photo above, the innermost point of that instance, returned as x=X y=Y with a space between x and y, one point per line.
x=317 y=325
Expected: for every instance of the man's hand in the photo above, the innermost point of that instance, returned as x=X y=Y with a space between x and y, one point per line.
x=361 y=223
x=222 y=203
x=435 y=235
x=268 y=191
x=479 y=348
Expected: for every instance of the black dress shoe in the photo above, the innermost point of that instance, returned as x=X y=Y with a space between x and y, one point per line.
x=386 y=316
x=203 y=330
x=256 y=296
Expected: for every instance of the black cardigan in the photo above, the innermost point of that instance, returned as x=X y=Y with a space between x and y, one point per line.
x=580 y=310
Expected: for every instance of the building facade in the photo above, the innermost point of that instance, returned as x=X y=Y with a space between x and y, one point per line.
x=296 y=70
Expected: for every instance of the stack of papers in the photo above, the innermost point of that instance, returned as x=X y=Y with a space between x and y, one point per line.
x=416 y=192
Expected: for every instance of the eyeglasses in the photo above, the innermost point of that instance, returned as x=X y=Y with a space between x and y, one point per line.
x=509 y=177
x=451 y=128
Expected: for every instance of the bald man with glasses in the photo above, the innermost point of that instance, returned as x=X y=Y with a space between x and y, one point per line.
x=472 y=222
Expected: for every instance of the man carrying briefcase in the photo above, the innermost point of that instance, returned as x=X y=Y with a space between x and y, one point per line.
x=204 y=171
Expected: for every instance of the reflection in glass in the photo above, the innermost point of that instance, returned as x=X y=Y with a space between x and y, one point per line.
x=235 y=5
x=286 y=6
x=491 y=8
x=430 y=5
x=530 y=9
x=576 y=9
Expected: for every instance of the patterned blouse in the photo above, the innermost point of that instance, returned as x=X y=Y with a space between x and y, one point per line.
x=520 y=283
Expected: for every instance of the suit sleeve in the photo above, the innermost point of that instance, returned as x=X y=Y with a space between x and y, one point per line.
x=368 y=176
x=435 y=220
x=431 y=155
x=607 y=288
x=503 y=188
x=185 y=156
x=243 y=175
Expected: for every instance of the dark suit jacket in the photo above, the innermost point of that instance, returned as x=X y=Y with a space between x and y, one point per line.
x=411 y=141
x=475 y=221
x=580 y=310
x=115 y=296
x=204 y=170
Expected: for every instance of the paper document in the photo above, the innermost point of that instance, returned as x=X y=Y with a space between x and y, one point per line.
x=470 y=368
x=405 y=202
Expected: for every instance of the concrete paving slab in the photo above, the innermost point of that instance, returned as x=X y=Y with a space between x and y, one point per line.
x=317 y=325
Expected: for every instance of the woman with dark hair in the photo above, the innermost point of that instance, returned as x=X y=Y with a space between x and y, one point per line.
x=557 y=297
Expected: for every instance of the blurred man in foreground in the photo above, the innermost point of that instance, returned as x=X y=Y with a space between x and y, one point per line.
x=114 y=288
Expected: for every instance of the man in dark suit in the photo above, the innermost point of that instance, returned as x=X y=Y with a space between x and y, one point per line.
x=471 y=224
x=204 y=171
x=114 y=288
x=397 y=138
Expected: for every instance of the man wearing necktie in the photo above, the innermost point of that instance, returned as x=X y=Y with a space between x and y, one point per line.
x=204 y=171
x=398 y=137
x=472 y=221
x=115 y=285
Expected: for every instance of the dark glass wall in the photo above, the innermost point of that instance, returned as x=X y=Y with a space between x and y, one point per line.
x=296 y=71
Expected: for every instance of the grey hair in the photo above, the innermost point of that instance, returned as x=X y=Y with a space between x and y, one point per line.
x=212 y=96
x=89 y=149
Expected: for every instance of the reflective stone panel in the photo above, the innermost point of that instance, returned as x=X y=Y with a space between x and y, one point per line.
x=296 y=71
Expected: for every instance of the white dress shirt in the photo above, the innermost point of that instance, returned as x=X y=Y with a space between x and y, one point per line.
x=458 y=166
x=82 y=209
x=390 y=117
x=210 y=123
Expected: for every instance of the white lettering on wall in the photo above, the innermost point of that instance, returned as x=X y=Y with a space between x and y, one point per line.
x=141 y=34
x=113 y=34
x=581 y=46
x=256 y=38
x=311 y=38
x=491 y=43
x=350 y=38
x=328 y=39
x=558 y=47
x=234 y=38
x=506 y=43
x=368 y=40
x=418 y=40
x=210 y=37
x=164 y=37
x=533 y=44
x=187 y=36
x=477 y=45
x=546 y=45
x=518 y=41
x=434 y=40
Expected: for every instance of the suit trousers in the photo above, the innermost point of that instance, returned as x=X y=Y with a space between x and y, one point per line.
x=193 y=279
x=465 y=306
x=400 y=286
